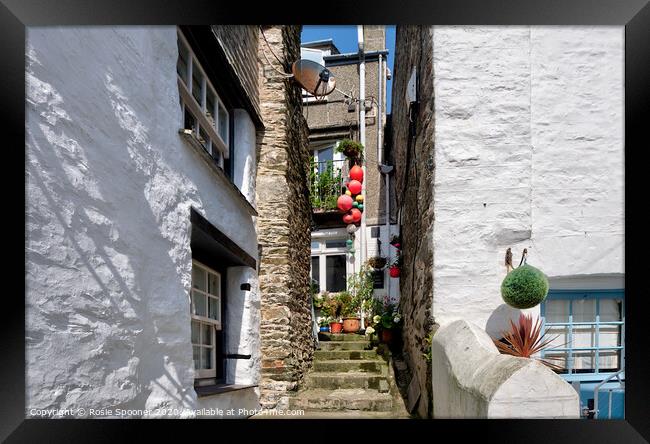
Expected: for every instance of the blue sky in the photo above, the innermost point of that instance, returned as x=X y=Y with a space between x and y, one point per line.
x=345 y=39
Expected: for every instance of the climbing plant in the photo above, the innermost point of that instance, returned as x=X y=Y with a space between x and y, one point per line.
x=324 y=186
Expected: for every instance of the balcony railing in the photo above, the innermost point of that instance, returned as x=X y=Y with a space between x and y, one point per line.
x=326 y=181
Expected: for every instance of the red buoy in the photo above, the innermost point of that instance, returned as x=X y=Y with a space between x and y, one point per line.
x=356 y=173
x=356 y=215
x=394 y=272
x=344 y=203
x=354 y=186
x=348 y=219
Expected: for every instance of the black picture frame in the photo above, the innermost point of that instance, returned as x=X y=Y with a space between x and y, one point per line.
x=15 y=15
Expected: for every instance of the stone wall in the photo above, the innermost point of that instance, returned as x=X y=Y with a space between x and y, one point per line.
x=471 y=380
x=529 y=154
x=283 y=223
x=414 y=189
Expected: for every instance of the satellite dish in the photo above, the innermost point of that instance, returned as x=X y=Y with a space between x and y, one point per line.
x=313 y=77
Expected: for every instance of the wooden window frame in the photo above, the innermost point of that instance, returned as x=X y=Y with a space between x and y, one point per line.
x=216 y=324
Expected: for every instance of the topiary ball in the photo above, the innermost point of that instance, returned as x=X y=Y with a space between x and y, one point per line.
x=524 y=287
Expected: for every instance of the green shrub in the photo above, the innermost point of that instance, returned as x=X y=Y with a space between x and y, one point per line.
x=524 y=287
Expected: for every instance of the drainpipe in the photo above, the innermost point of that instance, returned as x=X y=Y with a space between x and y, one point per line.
x=362 y=137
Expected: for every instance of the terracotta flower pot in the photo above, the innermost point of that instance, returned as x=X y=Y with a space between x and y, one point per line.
x=351 y=325
x=336 y=327
x=386 y=336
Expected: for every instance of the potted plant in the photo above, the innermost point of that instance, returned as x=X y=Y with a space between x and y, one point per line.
x=324 y=324
x=332 y=309
x=350 y=305
x=387 y=321
x=377 y=262
x=396 y=241
x=351 y=149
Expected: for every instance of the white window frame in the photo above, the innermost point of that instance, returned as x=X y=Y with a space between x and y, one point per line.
x=322 y=252
x=215 y=144
x=203 y=320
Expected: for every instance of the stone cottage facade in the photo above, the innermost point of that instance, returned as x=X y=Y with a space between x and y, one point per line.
x=331 y=119
x=156 y=248
x=516 y=141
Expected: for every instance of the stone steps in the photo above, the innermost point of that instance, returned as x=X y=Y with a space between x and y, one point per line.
x=342 y=400
x=345 y=345
x=327 y=355
x=340 y=337
x=358 y=365
x=347 y=380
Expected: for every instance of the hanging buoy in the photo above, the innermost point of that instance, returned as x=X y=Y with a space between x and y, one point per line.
x=360 y=207
x=356 y=173
x=349 y=243
x=355 y=204
x=359 y=198
x=348 y=193
x=348 y=218
x=356 y=215
x=354 y=186
x=344 y=203
x=351 y=228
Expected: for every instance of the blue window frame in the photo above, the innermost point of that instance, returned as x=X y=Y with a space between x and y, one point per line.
x=591 y=329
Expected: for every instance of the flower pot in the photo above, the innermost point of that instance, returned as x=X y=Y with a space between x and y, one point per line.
x=386 y=336
x=336 y=327
x=325 y=328
x=394 y=272
x=351 y=325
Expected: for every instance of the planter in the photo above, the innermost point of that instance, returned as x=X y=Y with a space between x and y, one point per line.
x=378 y=263
x=336 y=327
x=325 y=329
x=351 y=325
x=394 y=272
x=386 y=336
x=367 y=323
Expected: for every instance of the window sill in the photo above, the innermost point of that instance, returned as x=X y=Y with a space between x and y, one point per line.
x=209 y=160
x=218 y=389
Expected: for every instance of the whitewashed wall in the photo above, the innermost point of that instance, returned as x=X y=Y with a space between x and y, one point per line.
x=109 y=187
x=529 y=154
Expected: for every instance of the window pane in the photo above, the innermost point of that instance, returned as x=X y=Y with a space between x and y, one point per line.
x=584 y=361
x=204 y=139
x=557 y=358
x=207 y=334
x=610 y=336
x=315 y=245
x=190 y=121
x=214 y=309
x=200 y=303
x=223 y=123
x=584 y=310
x=197 y=83
x=214 y=284
x=335 y=271
x=206 y=357
x=608 y=360
x=198 y=278
x=181 y=65
x=337 y=243
x=557 y=310
x=560 y=335
x=610 y=310
x=210 y=101
x=196 y=353
x=315 y=270
x=196 y=332
x=584 y=336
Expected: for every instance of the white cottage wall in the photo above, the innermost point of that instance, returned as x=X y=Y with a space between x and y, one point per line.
x=529 y=154
x=110 y=183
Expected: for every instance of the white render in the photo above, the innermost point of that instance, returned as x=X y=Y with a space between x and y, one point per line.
x=529 y=135
x=471 y=379
x=110 y=183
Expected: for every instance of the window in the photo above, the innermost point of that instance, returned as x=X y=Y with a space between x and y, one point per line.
x=590 y=330
x=205 y=311
x=329 y=264
x=204 y=114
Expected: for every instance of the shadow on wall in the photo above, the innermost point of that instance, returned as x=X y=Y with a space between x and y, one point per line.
x=499 y=320
x=98 y=302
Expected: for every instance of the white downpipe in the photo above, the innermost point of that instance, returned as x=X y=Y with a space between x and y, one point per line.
x=362 y=139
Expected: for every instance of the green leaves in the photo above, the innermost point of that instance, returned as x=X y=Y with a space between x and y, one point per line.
x=324 y=187
x=524 y=287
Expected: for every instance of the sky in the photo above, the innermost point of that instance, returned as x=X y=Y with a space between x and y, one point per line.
x=345 y=39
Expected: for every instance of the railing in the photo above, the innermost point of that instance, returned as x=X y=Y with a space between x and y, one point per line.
x=326 y=181
x=616 y=375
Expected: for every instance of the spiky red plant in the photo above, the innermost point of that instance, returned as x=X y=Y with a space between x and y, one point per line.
x=525 y=339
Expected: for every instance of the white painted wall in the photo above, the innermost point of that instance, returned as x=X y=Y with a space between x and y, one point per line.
x=245 y=156
x=529 y=154
x=109 y=187
x=471 y=379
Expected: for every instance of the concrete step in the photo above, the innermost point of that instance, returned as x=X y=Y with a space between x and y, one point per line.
x=345 y=345
x=359 y=365
x=342 y=400
x=347 y=380
x=325 y=337
x=328 y=355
